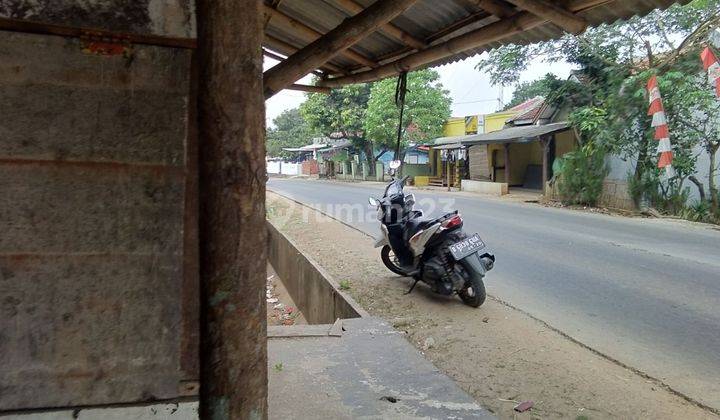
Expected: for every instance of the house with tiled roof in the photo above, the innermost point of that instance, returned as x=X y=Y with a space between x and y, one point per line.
x=516 y=148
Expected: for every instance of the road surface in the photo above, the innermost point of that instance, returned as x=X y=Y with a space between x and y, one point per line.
x=645 y=292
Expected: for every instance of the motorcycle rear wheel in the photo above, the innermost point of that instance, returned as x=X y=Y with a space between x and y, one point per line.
x=474 y=294
x=390 y=260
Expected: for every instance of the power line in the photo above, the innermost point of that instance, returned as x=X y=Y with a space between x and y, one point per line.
x=474 y=102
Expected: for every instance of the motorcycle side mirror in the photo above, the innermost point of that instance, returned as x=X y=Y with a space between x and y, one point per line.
x=373 y=201
x=394 y=164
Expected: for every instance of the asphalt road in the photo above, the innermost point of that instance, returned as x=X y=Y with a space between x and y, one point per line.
x=645 y=292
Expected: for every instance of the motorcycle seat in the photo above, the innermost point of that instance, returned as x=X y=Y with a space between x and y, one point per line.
x=413 y=226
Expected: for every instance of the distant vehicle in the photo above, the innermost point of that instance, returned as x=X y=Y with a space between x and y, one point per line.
x=435 y=251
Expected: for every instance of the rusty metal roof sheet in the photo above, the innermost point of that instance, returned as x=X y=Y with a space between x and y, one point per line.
x=428 y=20
x=524 y=133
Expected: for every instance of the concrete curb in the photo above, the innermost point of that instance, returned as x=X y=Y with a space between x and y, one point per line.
x=313 y=289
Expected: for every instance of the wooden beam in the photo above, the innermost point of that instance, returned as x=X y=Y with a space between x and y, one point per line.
x=233 y=238
x=298 y=28
x=474 y=39
x=309 y=88
x=287 y=49
x=349 y=32
x=458 y=24
x=353 y=7
x=278 y=57
x=455 y=26
x=493 y=32
x=273 y=55
x=561 y=17
x=497 y=7
x=545 y=144
x=15 y=25
x=506 y=147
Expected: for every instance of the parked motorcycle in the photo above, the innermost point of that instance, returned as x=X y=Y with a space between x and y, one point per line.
x=435 y=251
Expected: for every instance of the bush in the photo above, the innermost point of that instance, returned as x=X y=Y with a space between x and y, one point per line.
x=580 y=175
x=646 y=189
x=668 y=197
x=697 y=212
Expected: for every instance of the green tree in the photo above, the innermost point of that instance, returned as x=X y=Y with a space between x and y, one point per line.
x=290 y=130
x=695 y=112
x=342 y=112
x=427 y=107
x=545 y=87
x=616 y=61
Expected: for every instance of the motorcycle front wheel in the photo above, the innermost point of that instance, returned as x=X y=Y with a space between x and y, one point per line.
x=474 y=294
x=391 y=261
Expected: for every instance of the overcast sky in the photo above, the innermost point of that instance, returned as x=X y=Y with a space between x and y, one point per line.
x=470 y=90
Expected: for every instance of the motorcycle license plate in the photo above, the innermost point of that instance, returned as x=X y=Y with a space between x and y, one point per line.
x=466 y=247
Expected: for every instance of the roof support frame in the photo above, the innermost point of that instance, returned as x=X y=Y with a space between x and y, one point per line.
x=287 y=49
x=304 y=31
x=340 y=38
x=351 y=6
x=309 y=88
x=554 y=13
x=485 y=35
x=278 y=57
x=493 y=32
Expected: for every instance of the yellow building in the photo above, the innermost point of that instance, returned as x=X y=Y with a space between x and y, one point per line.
x=455 y=126
x=497 y=120
x=519 y=144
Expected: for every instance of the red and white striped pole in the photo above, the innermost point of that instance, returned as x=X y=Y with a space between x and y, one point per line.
x=659 y=122
x=711 y=65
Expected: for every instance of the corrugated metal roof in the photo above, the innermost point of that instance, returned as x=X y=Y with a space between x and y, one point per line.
x=426 y=19
x=506 y=135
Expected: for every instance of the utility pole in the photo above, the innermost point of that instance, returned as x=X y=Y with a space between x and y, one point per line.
x=501 y=98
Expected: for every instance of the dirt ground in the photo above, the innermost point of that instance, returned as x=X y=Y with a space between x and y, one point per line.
x=496 y=353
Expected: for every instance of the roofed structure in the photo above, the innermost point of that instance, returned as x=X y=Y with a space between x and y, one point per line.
x=519 y=134
x=354 y=41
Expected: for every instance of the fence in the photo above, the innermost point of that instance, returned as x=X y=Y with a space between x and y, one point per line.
x=283 y=168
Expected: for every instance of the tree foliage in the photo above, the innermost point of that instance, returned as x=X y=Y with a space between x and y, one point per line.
x=427 y=107
x=342 y=112
x=610 y=108
x=367 y=115
x=545 y=87
x=290 y=130
x=580 y=175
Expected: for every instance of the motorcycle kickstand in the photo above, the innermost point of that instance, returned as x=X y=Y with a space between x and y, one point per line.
x=411 y=287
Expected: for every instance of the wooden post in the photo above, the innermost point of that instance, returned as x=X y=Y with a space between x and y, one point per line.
x=233 y=237
x=507 y=164
x=544 y=142
x=447 y=169
x=457 y=173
